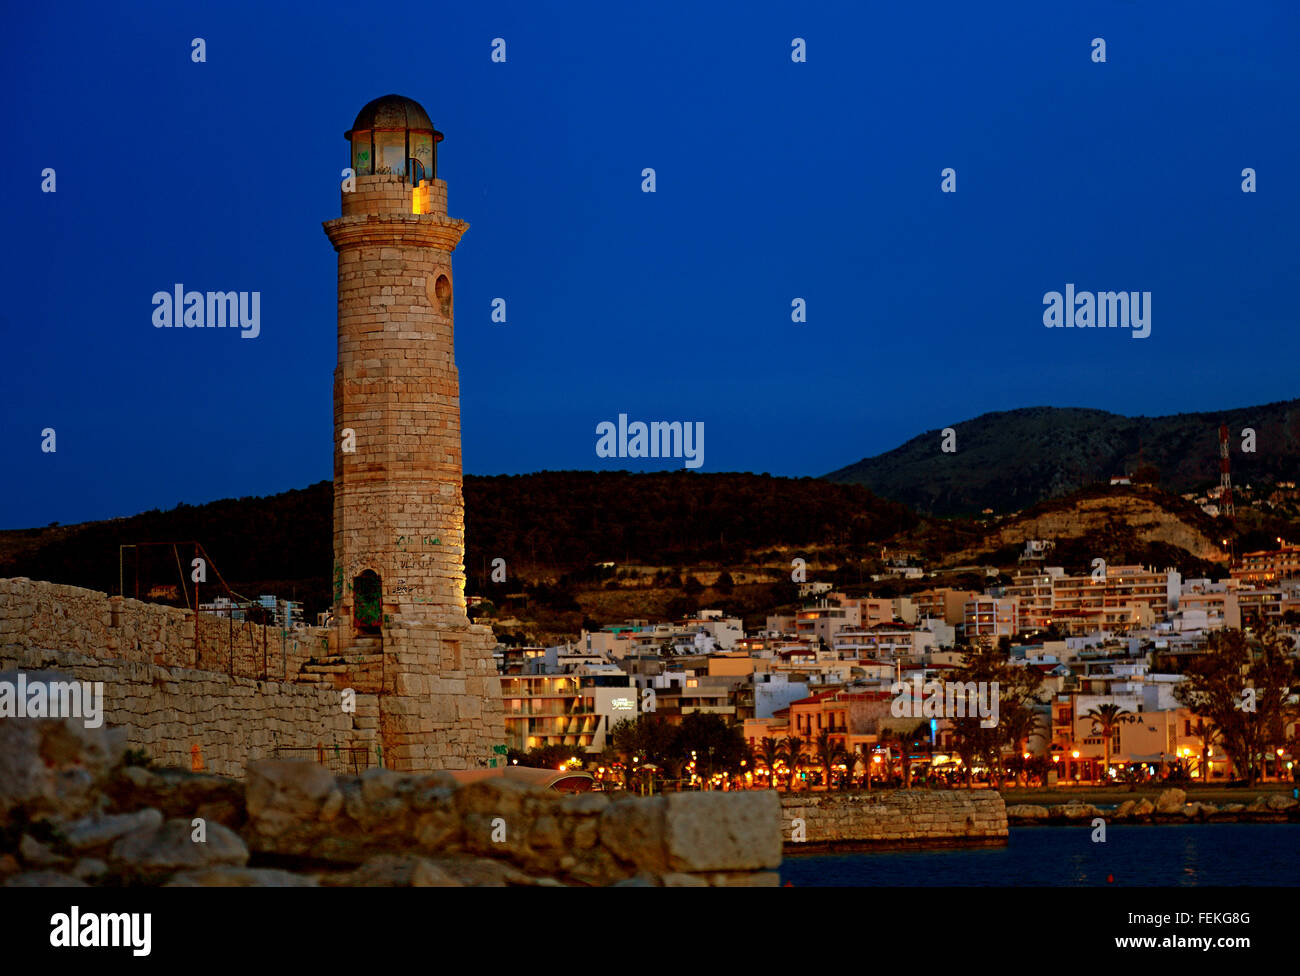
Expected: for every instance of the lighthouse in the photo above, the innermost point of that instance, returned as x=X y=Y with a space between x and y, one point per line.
x=399 y=521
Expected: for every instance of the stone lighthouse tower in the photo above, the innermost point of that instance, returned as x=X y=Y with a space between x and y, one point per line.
x=399 y=528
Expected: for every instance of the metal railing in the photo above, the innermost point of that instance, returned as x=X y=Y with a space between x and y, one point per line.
x=345 y=760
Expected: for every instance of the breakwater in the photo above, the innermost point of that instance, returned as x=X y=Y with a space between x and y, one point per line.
x=899 y=817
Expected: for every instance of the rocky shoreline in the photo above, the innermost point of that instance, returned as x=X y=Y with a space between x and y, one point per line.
x=1171 y=807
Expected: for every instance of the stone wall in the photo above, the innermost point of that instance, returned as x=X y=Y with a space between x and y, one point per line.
x=441 y=707
x=54 y=617
x=167 y=711
x=432 y=699
x=901 y=816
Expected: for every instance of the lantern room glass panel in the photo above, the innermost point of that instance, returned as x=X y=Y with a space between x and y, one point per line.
x=390 y=151
x=422 y=153
x=363 y=164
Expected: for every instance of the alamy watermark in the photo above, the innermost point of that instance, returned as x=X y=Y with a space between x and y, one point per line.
x=659 y=439
x=1100 y=310
x=42 y=698
x=212 y=310
x=75 y=930
x=951 y=699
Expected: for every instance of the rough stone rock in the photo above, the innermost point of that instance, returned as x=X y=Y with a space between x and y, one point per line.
x=410 y=870
x=437 y=791
x=632 y=828
x=596 y=867
x=437 y=828
x=746 y=879
x=478 y=872
x=1144 y=808
x=586 y=834
x=53 y=767
x=236 y=877
x=1073 y=811
x=223 y=812
x=179 y=793
x=90 y=833
x=1280 y=801
x=497 y=797
x=38 y=855
x=332 y=807
x=284 y=794
x=717 y=831
x=383 y=870
x=677 y=879
x=1171 y=801
x=44 y=879
x=584 y=803
x=169 y=848
x=546 y=833
x=1232 y=808
x=89 y=867
x=1122 y=812
x=379 y=784
x=9 y=865
x=1027 y=811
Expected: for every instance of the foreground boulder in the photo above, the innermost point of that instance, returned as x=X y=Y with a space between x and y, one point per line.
x=174 y=847
x=1171 y=802
x=1026 y=813
x=1073 y=811
x=53 y=768
x=72 y=814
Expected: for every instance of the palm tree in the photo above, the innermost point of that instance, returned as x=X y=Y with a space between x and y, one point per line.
x=850 y=757
x=890 y=737
x=792 y=751
x=921 y=736
x=769 y=750
x=1021 y=726
x=828 y=752
x=1207 y=732
x=1105 y=720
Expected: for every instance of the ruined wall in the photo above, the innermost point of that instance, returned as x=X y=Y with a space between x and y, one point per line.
x=233 y=721
x=68 y=618
x=432 y=699
x=899 y=816
x=145 y=656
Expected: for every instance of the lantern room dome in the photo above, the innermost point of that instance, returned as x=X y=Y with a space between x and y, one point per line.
x=393 y=134
x=391 y=112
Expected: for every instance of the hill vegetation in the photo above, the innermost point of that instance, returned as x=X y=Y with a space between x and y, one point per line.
x=1011 y=460
x=543 y=525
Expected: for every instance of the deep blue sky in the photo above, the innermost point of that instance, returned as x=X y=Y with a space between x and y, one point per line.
x=775 y=180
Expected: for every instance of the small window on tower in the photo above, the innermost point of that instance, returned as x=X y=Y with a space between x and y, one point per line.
x=442 y=291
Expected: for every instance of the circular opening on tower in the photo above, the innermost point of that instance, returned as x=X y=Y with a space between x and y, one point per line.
x=442 y=294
